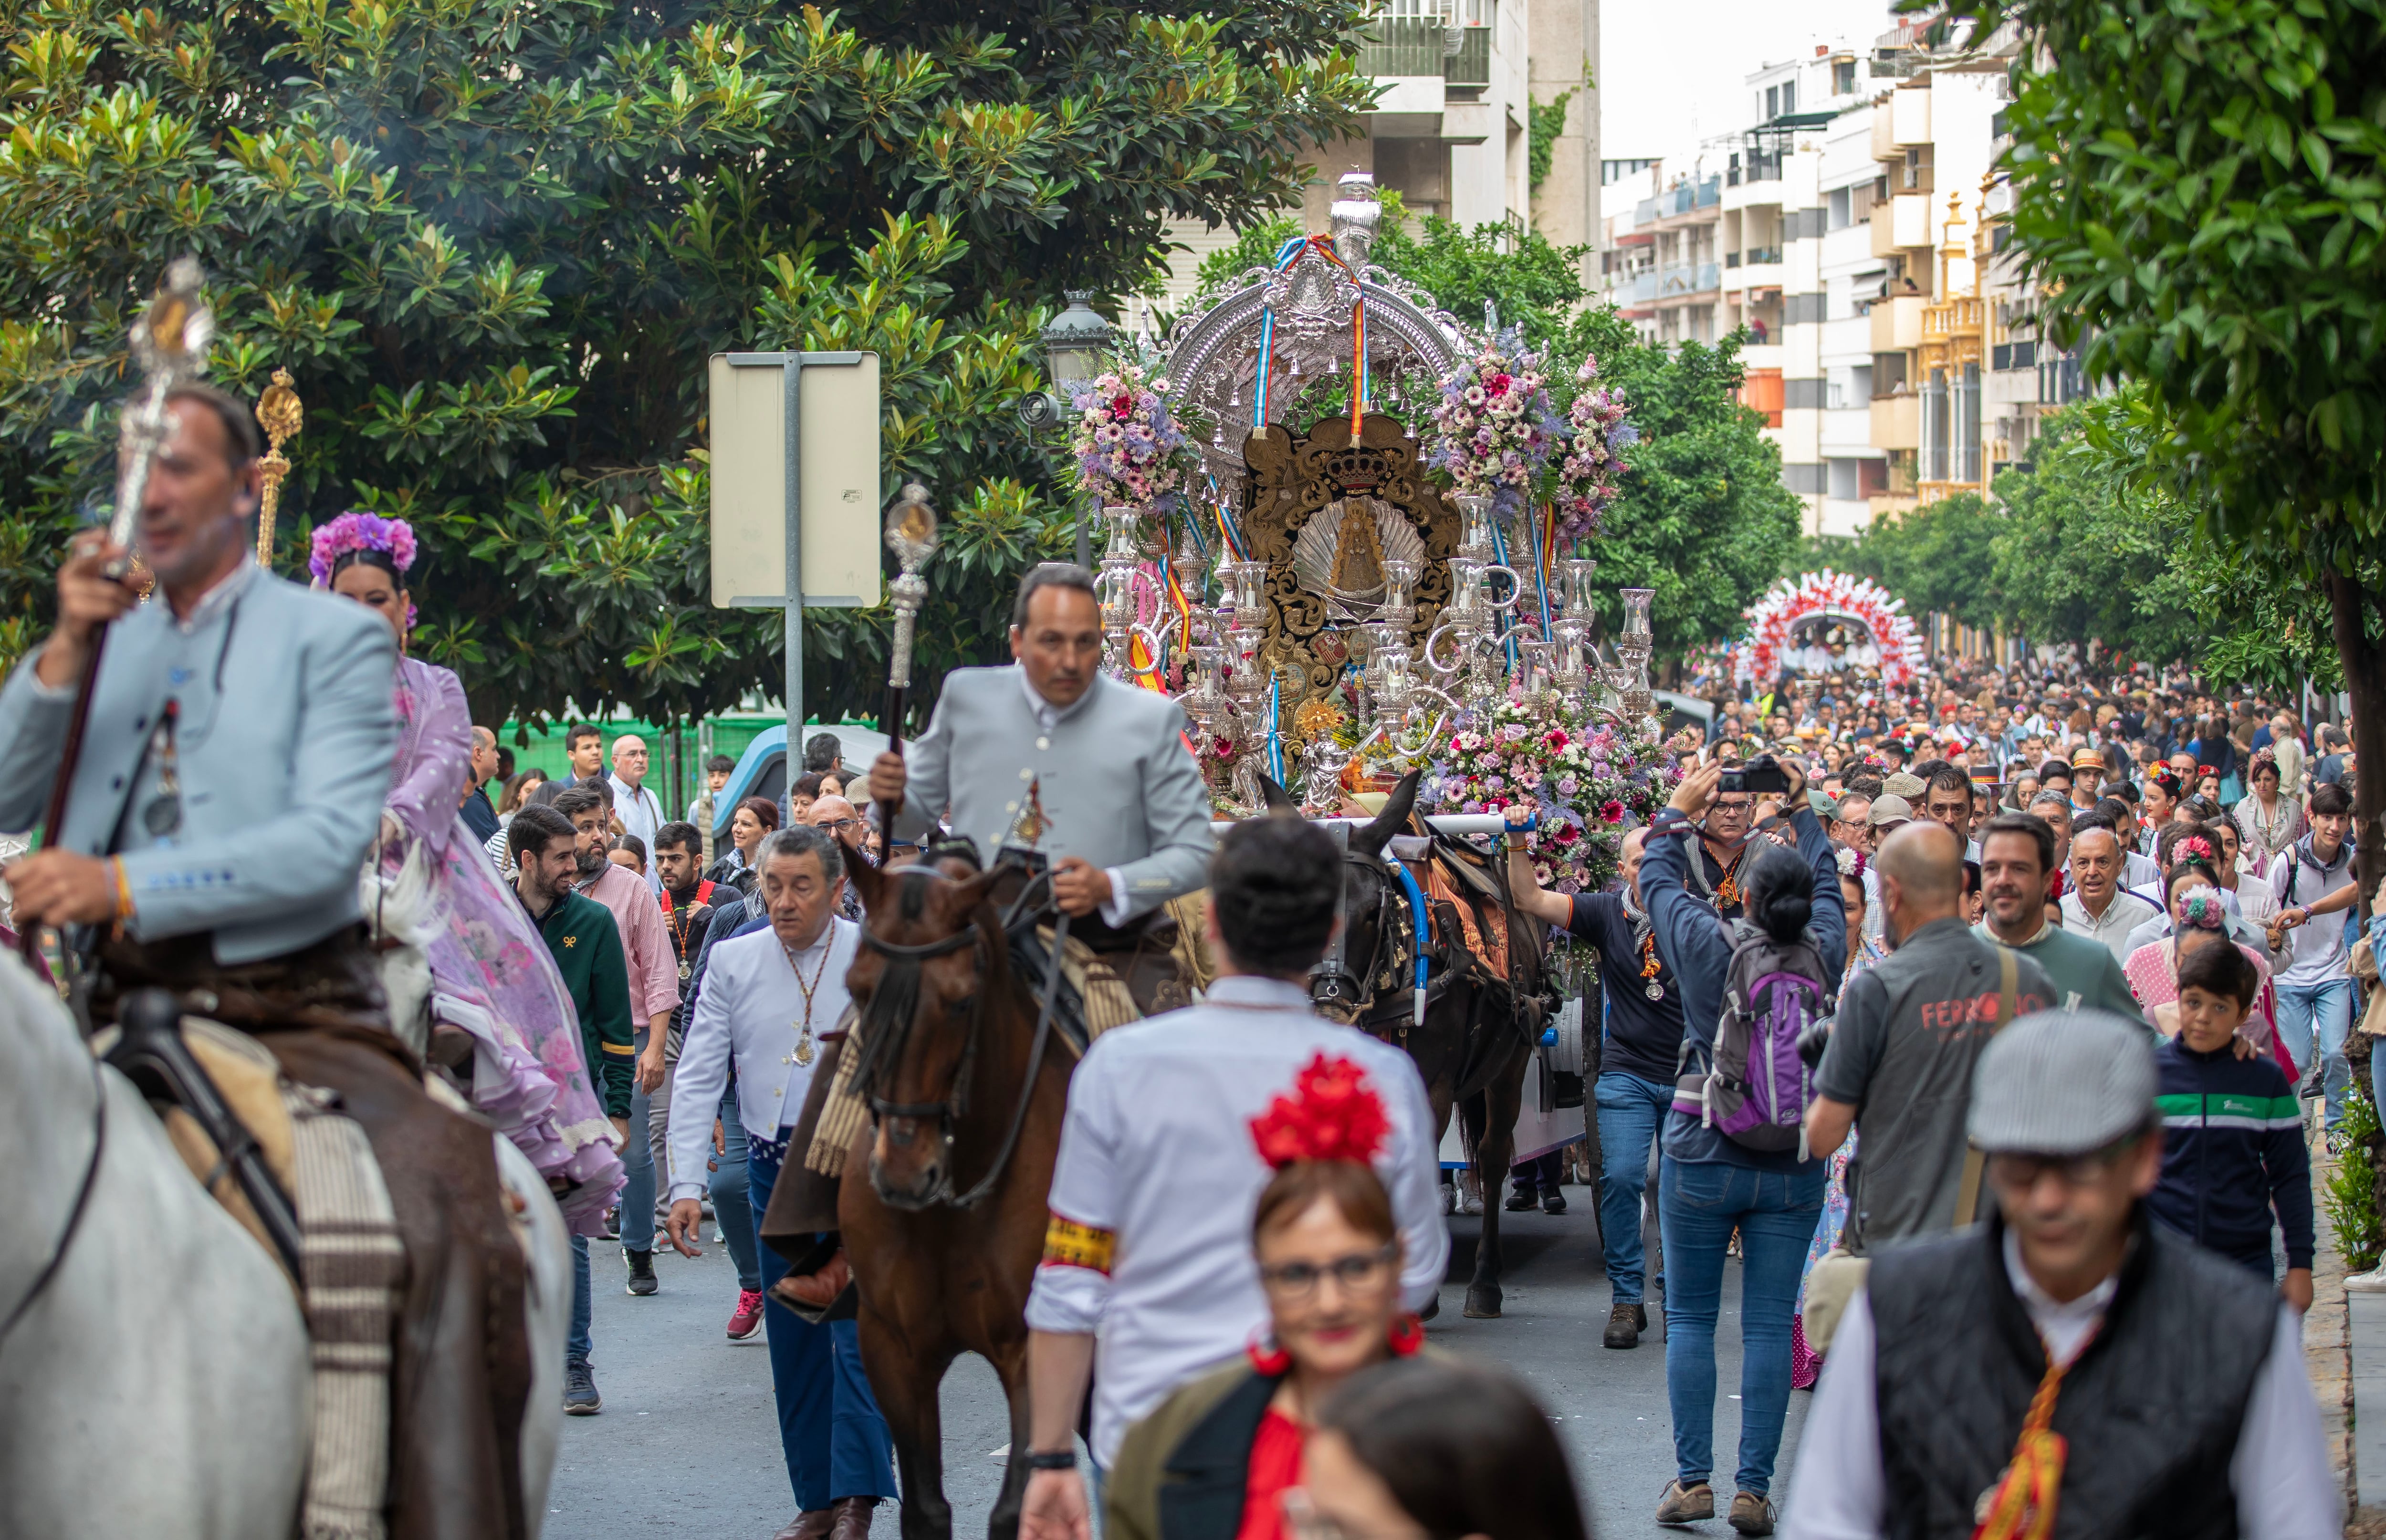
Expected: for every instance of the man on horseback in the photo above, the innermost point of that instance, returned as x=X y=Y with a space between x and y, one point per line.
x=1129 y=813
x=1090 y=772
x=236 y=752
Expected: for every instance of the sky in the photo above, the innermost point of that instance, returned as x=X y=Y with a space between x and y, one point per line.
x=1670 y=70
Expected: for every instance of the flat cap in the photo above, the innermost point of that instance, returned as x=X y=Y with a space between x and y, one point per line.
x=2063 y=1082
x=1904 y=783
x=1889 y=807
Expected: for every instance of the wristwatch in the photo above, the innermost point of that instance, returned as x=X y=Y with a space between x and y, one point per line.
x=1051 y=1460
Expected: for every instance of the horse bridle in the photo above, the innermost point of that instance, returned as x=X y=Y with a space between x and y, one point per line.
x=881 y=1048
x=51 y=1269
x=1331 y=976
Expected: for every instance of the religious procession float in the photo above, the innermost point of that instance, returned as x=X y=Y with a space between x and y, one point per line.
x=1352 y=537
x=1828 y=625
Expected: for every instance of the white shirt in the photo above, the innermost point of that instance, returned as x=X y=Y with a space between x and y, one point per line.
x=1157 y=1152
x=752 y=1010
x=640 y=815
x=2279 y=1472
x=1114 y=909
x=2317 y=947
x=2123 y=914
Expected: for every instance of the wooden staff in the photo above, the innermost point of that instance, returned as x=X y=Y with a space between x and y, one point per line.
x=169 y=345
x=912 y=535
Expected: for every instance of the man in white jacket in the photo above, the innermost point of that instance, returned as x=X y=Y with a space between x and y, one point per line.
x=770 y=995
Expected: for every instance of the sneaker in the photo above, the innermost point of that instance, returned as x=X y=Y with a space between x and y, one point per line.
x=1521 y=1200
x=1552 y=1201
x=580 y=1398
x=1682 y=1505
x=612 y=1224
x=745 y=1321
x=642 y=1272
x=1625 y=1324
x=1751 y=1513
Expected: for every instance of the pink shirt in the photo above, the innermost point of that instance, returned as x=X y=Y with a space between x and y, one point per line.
x=654 y=969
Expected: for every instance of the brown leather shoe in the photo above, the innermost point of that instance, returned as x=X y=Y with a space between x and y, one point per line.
x=815 y=1292
x=810 y=1524
x=853 y=1516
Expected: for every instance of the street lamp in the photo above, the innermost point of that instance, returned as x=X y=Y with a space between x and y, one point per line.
x=1073 y=345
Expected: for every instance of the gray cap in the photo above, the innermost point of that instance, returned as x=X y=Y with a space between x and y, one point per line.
x=1889 y=807
x=2063 y=1082
x=1904 y=783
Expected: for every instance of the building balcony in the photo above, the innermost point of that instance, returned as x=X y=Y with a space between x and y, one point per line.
x=1896 y=421
x=1897 y=323
x=1688 y=198
x=1901 y=224
x=1682 y=279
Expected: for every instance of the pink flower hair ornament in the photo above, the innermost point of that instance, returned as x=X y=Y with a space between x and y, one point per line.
x=357 y=532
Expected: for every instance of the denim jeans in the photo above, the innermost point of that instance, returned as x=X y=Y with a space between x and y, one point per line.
x=639 y=1165
x=831 y=1432
x=1698 y=1206
x=2324 y=1009
x=1629 y=1111
x=576 y=1346
x=730 y=1209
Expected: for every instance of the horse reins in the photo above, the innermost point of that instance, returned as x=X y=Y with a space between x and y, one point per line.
x=896 y=1008
x=51 y=1269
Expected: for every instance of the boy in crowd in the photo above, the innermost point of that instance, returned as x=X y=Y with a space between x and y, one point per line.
x=2233 y=1149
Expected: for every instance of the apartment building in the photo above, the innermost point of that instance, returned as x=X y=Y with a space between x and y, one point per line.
x=1449 y=130
x=1662 y=263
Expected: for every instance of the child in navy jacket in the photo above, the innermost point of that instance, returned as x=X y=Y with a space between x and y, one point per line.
x=2233 y=1149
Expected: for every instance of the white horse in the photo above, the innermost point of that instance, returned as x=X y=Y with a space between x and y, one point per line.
x=160 y=1383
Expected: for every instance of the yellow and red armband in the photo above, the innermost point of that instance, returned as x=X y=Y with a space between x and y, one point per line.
x=1068 y=1243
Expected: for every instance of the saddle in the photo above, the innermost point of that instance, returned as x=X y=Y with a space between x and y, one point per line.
x=395 y=1192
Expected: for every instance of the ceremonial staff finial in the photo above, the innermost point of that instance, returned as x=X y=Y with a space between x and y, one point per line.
x=278 y=414
x=169 y=347
x=912 y=535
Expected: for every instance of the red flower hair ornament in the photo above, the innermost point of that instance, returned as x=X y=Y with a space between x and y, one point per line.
x=1332 y=1114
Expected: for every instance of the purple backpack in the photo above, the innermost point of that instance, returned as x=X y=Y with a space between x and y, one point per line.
x=1756 y=1089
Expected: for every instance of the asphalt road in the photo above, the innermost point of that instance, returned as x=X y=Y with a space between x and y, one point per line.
x=687 y=1444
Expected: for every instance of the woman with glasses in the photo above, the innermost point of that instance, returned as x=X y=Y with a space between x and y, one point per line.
x=1215 y=1459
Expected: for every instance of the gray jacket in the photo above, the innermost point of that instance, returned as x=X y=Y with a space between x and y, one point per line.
x=1117 y=781
x=285 y=737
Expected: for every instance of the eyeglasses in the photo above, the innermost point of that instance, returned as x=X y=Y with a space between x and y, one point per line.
x=838 y=823
x=2022 y=1173
x=1357 y=1270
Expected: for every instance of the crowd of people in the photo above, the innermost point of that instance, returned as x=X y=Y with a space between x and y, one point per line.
x=1981 y=1024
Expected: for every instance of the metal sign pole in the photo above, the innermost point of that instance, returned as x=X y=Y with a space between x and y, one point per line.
x=795 y=416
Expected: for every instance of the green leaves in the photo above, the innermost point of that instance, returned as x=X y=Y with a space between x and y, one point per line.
x=494 y=245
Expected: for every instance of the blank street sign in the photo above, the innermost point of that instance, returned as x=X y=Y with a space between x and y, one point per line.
x=836 y=460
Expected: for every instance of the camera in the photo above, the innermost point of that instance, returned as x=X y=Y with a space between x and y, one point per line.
x=1762 y=776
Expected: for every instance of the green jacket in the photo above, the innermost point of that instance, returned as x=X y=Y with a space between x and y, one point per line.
x=587 y=947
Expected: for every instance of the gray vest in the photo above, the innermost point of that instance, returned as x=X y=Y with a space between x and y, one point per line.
x=2150 y=1409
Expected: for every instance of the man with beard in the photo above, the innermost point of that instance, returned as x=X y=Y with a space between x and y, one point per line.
x=654 y=993
x=588 y=952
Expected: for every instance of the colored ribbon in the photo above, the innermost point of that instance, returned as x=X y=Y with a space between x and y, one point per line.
x=2022 y=1507
x=1362 y=390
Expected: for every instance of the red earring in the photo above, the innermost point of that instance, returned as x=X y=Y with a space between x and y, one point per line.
x=1272 y=1362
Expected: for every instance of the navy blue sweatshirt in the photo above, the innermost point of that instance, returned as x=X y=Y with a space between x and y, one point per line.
x=2232 y=1152
x=1697 y=952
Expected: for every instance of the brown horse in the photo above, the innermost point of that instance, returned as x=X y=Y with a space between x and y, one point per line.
x=944 y=1224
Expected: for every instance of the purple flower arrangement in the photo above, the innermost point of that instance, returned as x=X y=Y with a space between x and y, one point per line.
x=1129 y=449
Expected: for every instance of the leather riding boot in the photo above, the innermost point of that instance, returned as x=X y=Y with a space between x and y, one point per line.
x=810 y=1524
x=811 y=1292
x=853 y=1516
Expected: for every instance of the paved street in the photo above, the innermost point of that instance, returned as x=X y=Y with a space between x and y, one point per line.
x=688 y=1443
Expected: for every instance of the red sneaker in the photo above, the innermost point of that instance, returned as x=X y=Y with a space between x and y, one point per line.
x=746 y=1325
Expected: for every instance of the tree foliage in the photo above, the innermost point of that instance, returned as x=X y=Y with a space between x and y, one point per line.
x=495 y=243
x=1935 y=557
x=2201 y=187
